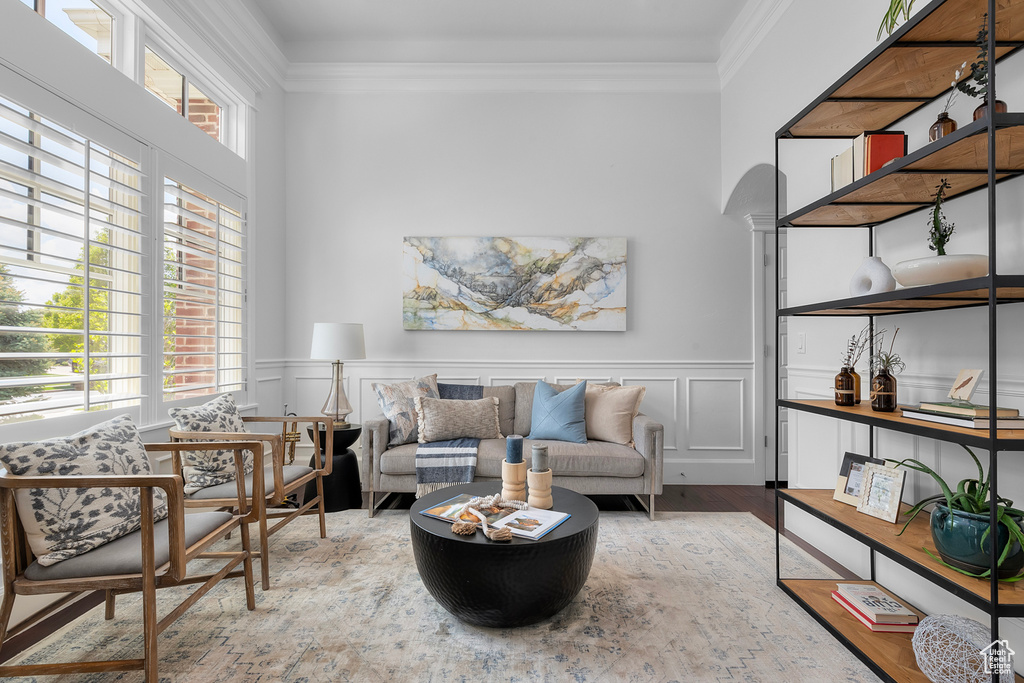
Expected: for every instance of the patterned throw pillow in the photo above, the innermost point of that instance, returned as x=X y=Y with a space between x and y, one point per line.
x=63 y=523
x=442 y=420
x=210 y=468
x=396 y=403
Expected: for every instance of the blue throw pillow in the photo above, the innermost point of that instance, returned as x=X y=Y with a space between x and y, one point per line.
x=559 y=416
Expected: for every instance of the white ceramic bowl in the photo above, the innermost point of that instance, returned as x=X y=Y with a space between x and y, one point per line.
x=932 y=270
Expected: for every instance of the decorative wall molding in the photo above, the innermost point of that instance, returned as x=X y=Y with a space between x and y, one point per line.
x=729 y=442
x=755 y=21
x=430 y=363
x=448 y=77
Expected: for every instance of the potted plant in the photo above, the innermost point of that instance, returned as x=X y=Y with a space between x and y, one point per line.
x=885 y=365
x=976 y=83
x=943 y=267
x=961 y=525
x=892 y=16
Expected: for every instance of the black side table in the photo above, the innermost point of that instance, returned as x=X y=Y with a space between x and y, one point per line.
x=342 y=487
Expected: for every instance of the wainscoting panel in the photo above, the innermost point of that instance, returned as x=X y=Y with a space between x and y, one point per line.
x=705 y=407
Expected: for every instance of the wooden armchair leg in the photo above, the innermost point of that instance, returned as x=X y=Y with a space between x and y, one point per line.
x=250 y=592
x=109 y=614
x=323 y=519
x=264 y=553
x=6 y=608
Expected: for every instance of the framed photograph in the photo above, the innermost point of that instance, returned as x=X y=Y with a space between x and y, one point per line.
x=851 y=474
x=881 y=491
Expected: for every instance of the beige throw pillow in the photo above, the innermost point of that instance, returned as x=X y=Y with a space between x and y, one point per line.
x=443 y=419
x=610 y=412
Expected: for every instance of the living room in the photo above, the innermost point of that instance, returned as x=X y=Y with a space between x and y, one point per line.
x=348 y=128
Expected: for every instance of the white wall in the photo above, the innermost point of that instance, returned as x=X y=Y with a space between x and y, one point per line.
x=792 y=66
x=365 y=169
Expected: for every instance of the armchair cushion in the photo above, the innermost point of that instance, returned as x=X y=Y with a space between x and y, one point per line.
x=210 y=468
x=124 y=555
x=229 y=489
x=396 y=403
x=63 y=523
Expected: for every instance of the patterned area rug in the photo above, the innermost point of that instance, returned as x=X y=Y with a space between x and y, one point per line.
x=688 y=597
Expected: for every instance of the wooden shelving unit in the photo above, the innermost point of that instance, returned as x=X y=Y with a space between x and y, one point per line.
x=910 y=69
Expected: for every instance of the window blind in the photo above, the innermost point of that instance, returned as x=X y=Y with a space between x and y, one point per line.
x=204 y=294
x=70 y=270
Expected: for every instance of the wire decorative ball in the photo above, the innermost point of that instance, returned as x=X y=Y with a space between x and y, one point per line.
x=949 y=650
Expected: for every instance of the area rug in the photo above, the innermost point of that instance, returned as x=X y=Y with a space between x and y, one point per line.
x=687 y=597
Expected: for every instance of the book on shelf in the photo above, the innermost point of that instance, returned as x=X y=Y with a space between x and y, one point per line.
x=965 y=409
x=875 y=626
x=956 y=421
x=531 y=523
x=842 y=169
x=876 y=604
x=873 y=149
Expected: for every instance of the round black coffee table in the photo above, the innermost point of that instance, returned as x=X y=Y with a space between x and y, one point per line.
x=504 y=584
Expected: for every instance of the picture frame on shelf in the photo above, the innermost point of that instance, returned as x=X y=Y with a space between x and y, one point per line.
x=963 y=387
x=851 y=474
x=881 y=491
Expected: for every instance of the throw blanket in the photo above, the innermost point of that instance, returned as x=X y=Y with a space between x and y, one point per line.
x=444 y=463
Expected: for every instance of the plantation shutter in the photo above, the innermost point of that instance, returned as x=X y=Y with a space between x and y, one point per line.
x=70 y=270
x=204 y=294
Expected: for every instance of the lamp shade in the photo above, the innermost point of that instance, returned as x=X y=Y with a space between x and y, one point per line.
x=337 y=341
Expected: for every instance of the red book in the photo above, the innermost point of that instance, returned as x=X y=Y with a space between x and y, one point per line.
x=872 y=150
x=874 y=626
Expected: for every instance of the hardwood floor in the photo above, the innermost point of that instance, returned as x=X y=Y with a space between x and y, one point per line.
x=758 y=500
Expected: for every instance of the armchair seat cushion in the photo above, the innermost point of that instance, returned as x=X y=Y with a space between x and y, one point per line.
x=124 y=555
x=593 y=459
x=230 y=489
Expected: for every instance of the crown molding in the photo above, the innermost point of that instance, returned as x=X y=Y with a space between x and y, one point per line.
x=755 y=20
x=238 y=37
x=760 y=222
x=548 y=77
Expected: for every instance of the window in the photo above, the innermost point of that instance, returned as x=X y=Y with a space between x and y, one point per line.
x=70 y=271
x=83 y=20
x=204 y=295
x=170 y=87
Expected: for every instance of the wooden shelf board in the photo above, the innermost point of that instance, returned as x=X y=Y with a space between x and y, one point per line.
x=908 y=184
x=892 y=652
x=1009 y=439
x=908 y=545
x=949 y=295
x=908 y=64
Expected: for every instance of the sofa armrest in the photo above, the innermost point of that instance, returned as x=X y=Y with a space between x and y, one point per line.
x=649 y=440
x=376 y=434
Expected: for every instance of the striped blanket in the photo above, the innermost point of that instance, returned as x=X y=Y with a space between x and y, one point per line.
x=444 y=463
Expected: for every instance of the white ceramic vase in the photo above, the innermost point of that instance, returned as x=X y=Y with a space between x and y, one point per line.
x=872 y=277
x=932 y=270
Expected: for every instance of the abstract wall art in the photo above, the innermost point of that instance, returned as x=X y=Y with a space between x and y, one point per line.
x=514 y=283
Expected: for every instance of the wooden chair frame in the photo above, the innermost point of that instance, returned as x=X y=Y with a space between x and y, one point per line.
x=263 y=508
x=17 y=556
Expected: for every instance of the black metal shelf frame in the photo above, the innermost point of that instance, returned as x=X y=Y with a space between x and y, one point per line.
x=987 y=439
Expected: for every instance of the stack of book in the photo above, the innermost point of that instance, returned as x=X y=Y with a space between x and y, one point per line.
x=875 y=608
x=962 y=414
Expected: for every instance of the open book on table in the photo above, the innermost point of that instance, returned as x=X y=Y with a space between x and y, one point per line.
x=532 y=523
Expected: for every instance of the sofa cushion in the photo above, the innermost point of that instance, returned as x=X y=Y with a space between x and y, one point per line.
x=559 y=415
x=610 y=412
x=63 y=523
x=210 y=468
x=594 y=459
x=524 y=404
x=442 y=420
x=396 y=403
x=506 y=396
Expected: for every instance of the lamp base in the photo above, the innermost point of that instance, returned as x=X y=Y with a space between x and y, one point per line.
x=337 y=406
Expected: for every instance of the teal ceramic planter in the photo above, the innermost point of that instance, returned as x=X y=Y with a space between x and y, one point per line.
x=960 y=544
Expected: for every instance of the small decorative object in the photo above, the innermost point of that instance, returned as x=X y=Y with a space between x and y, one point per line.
x=976 y=83
x=844 y=387
x=885 y=364
x=872 y=277
x=954 y=649
x=963 y=387
x=961 y=529
x=854 y=350
x=540 y=457
x=513 y=480
x=514 y=448
x=336 y=341
x=492 y=534
x=464 y=528
x=942 y=127
x=940 y=229
x=881 y=491
x=540 y=489
x=851 y=477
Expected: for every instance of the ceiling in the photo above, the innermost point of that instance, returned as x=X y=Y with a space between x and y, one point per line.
x=472 y=31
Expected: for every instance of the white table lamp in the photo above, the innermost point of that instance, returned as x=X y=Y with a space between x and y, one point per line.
x=336 y=341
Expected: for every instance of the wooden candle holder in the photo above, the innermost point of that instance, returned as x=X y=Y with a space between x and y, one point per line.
x=513 y=480
x=540 y=489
